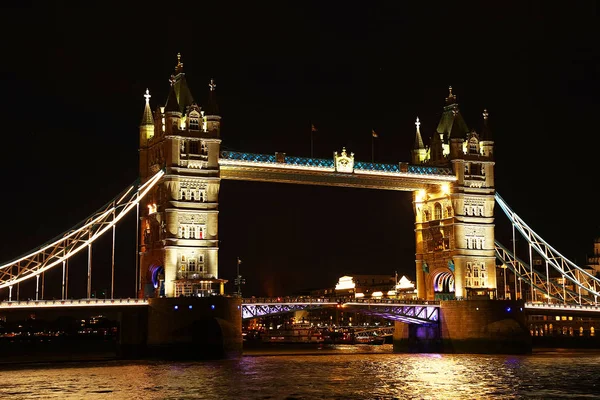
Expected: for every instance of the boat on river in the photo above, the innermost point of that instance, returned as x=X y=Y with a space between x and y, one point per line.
x=293 y=333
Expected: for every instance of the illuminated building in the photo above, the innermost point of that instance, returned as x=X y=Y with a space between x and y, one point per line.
x=454 y=225
x=179 y=218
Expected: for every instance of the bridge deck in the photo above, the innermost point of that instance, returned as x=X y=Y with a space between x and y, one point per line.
x=311 y=171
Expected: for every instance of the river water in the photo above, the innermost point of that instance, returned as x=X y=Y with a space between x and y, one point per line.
x=335 y=372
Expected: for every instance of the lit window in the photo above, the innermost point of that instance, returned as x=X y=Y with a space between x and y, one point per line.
x=437 y=210
x=204 y=149
x=194 y=124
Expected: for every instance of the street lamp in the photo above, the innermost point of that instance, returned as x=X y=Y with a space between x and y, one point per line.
x=238 y=280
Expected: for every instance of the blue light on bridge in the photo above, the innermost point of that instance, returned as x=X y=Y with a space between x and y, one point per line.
x=329 y=163
x=212 y=306
x=176 y=307
x=190 y=306
x=508 y=309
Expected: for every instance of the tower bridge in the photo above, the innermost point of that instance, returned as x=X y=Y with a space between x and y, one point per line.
x=176 y=201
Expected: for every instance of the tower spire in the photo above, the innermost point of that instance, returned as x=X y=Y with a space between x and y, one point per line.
x=451 y=99
x=418 y=139
x=212 y=106
x=147 y=116
x=486 y=133
x=179 y=66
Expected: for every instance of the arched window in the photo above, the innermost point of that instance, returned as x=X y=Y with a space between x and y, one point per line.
x=425 y=215
x=448 y=213
x=203 y=148
x=194 y=118
x=473 y=146
x=192 y=232
x=437 y=211
x=183 y=197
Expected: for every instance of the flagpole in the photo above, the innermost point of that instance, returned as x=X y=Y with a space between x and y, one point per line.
x=372 y=148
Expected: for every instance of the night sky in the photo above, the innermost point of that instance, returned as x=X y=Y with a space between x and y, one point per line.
x=72 y=85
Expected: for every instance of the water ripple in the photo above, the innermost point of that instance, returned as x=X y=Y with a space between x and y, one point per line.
x=339 y=374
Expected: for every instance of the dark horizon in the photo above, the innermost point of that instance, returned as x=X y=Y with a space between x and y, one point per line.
x=73 y=99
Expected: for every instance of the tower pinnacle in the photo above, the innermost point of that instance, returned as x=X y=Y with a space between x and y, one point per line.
x=451 y=99
x=212 y=85
x=418 y=139
x=486 y=133
x=179 y=66
x=147 y=119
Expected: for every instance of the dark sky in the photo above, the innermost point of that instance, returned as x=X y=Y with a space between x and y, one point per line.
x=72 y=80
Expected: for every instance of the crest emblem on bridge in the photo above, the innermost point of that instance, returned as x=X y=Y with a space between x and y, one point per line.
x=343 y=162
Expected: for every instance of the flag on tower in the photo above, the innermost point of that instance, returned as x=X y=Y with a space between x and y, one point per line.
x=375 y=135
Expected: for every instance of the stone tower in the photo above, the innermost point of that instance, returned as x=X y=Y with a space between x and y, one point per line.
x=454 y=225
x=178 y=231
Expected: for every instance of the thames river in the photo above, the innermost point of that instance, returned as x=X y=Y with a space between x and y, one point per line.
x=335 y=372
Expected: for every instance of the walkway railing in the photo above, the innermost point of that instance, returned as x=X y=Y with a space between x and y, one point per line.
x=72 y=303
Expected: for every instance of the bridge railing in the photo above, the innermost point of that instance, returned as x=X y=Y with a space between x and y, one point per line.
x=393 y=301
x=339 y=300
x=288 y=299
x=73 y=303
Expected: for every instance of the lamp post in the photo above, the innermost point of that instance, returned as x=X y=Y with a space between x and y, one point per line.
x=238 y=280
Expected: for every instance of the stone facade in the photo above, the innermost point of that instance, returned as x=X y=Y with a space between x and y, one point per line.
x=179 y=227
x=454 y=224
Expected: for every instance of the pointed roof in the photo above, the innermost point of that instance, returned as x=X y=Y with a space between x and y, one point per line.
x=147 y=116
x=418 y=139
x=180 y=95
x=212 y=107
x=486 y=133
x=452 y=124
x=172 y=103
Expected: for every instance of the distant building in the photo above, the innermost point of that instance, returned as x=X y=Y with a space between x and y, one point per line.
x=375 y=286
x=593 y=261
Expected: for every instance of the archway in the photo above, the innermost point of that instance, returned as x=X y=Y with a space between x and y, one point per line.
x=443 y=285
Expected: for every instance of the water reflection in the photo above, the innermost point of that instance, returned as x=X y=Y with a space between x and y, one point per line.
x=334 y=373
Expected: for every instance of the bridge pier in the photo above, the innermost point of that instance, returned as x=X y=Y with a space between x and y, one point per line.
x=195 y=327
x=469 y=326
x=133 y=330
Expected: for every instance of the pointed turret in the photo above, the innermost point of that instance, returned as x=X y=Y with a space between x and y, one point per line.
x=147 y=123
x=147 y=118
x=180 y=95
x=486 y=133
x=172 y=103
x=452 y=123
x=212 y=107
x=419 y=151
x=212 y=117
x=487 y=142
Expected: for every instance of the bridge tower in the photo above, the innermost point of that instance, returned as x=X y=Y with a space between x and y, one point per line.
x=178 y=227
x=454 y=226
